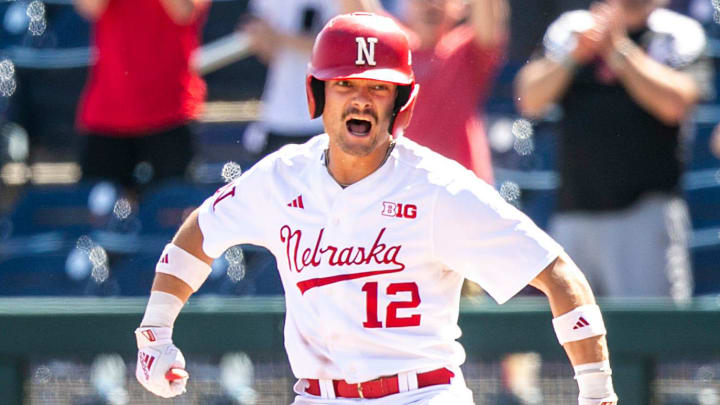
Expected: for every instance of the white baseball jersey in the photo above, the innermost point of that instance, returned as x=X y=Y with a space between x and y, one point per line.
x=372 y=272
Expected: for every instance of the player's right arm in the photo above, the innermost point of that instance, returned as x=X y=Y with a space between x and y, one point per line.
x=91 y=9
x=182 y=268
x=189 y=238
x=230 y=217
x=492 y=243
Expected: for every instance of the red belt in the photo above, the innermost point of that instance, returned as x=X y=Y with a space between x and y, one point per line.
x=379 y=387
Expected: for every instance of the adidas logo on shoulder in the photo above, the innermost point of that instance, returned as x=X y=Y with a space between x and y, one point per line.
x=297 y=202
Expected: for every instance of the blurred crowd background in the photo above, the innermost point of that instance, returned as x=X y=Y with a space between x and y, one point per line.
x=68 y=228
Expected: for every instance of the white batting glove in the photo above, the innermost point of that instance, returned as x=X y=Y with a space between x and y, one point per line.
x=160 y=365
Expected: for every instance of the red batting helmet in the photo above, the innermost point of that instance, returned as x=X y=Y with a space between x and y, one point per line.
x=363 y=46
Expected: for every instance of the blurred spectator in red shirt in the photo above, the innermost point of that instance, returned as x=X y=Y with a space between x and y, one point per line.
x=142 y=92
x=455 y=64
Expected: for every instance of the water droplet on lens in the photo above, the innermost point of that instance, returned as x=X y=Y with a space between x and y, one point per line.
x=143 y=172
x=510 y=191
x=7 y=69
x=85 y=244
x=122 y=208
x=36 y=10
x=100 y=274
x=236 y=272
x=522 y=129
x=37 y=27
x=42 y=375
x=7 y=87
x=524 y=147
x=98 y=256
x=230 y=171
x=234 y=255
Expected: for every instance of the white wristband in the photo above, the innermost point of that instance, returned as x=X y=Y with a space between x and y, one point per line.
x=581 y=323
x=183 y=265
x=162 y=310
x=595 y=382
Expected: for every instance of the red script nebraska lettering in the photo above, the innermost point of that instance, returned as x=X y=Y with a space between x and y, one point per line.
x=300 y=258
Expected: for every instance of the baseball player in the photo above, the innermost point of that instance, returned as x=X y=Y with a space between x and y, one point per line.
x=373 y=235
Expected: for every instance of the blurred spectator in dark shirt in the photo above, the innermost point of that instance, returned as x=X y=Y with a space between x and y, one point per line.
x=626 y=73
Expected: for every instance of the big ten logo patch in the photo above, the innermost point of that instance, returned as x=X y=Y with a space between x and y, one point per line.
x=399 y=210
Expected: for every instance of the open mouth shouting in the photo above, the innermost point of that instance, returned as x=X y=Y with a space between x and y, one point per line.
x=358 y=126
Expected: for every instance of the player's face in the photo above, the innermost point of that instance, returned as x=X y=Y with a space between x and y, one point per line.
x=357 y=114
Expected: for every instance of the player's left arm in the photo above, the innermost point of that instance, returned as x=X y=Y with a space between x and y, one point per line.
x=580 y=328
x=489 y=19
x=183 y=12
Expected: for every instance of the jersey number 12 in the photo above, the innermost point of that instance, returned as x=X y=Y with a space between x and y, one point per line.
x=392 y=320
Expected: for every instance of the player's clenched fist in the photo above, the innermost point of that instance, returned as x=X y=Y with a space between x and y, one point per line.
x=157 y=356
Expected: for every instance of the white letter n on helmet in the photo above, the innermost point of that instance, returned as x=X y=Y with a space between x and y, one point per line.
x=365 y=53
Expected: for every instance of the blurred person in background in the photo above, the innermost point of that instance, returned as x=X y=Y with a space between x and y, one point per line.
x=141 y=94
x=281 y=34
x=626 y=74
x=455 y=64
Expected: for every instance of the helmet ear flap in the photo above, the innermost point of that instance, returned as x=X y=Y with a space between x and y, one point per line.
x=315 y=91
x=402 y=97
x=404 y=105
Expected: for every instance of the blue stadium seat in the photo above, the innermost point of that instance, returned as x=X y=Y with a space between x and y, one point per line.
x=706 y=269
x=704 y=206
x=135 y=273
x=70 y=209
x=39 y=274
x=701 y=156
x=163 y=208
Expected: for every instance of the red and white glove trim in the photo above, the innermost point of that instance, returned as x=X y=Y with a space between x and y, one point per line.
x=152 y=336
